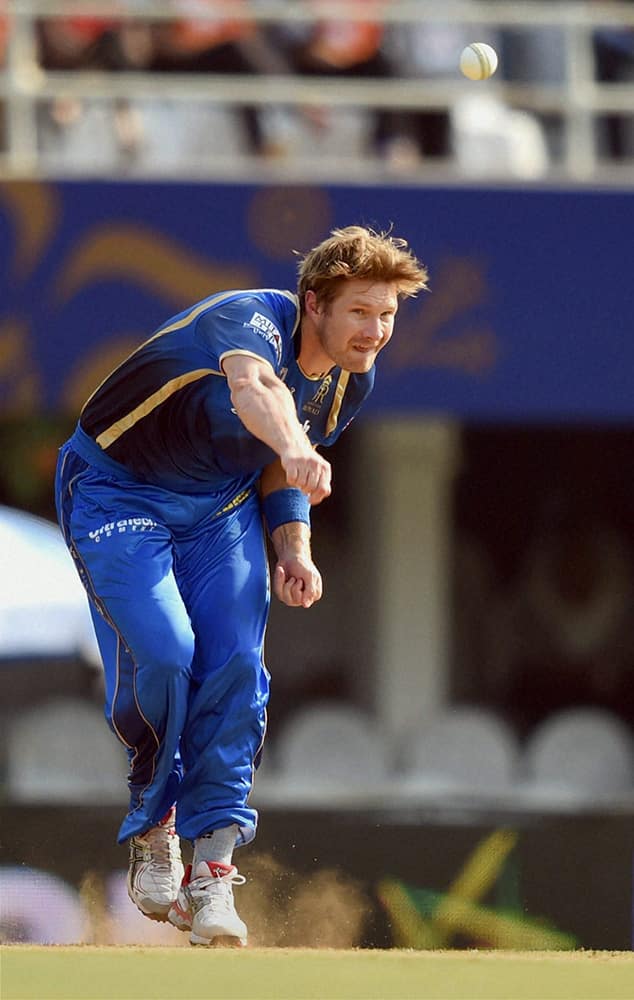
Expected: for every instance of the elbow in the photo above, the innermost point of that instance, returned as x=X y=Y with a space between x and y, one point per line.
x=249 y=386
x=240 y=389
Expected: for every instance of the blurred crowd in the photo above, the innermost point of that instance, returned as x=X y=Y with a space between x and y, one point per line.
x=207 y=37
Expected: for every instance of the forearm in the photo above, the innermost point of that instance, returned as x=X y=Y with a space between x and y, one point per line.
x=281 y=504
x=267 y=410
x=296 y=581
x=291 y=540
x=273 y=478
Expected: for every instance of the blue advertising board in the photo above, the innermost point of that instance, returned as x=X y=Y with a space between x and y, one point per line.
x=530 y=315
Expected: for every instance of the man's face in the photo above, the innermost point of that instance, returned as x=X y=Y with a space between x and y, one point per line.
x=357 y=324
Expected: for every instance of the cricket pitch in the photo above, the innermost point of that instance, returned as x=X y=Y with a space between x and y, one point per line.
x=127 y=973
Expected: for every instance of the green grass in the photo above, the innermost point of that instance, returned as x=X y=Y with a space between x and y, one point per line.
x=125 y=973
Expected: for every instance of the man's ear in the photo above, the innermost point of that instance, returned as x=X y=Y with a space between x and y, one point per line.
x=311 y=305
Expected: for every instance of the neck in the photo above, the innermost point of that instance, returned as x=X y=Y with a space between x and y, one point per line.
x=312 y=359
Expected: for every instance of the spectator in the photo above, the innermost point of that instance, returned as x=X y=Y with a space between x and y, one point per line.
x=430 y=50
x=536 y=55
x=75 y=129
x=210 y=43
x=614 y=63
x=347 y=50
x=4 y=35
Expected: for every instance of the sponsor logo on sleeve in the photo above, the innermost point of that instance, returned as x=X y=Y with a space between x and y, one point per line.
x=267 y=329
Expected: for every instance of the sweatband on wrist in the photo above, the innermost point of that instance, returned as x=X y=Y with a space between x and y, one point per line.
x=283 y=506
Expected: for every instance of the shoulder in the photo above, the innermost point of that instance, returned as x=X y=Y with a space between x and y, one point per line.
x=360 y=385
x=261 y=307
x=350 y=392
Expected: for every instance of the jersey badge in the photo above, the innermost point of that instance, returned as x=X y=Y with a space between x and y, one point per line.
x=268 y=330
x=315 y=403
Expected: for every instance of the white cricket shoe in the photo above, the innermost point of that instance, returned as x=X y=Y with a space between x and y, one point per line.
x=155 y=868
x=205 y=905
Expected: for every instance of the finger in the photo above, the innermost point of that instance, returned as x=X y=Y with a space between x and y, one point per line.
x=308 y=600
x=286 y=587
x=290 y=582
x=298 y=478
x=279 y=579
x=312 y=590
x=292 y=474
x=325 y=481
x=298 y=471
x=293 y=593
x=290 y=590
x=316 y=496
x=319 y=493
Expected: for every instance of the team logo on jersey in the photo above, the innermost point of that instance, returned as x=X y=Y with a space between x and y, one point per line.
x=268 y=330
x=315 y=403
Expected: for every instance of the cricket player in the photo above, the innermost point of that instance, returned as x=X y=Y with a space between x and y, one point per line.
x=202 y=440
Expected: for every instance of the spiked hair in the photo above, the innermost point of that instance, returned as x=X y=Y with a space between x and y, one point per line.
x=359 y=252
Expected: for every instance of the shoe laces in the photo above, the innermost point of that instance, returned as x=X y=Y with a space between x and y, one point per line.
x=217 y=884
x=161 y=842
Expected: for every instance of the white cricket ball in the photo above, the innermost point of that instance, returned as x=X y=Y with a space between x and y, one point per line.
x=478 y=61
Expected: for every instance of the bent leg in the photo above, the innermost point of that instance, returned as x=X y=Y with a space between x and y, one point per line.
x=147 y=646
x=228 y=604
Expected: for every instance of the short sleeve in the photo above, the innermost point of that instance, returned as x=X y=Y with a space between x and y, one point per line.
x=242 y=326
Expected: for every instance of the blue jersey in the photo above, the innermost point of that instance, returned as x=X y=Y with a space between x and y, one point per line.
x=165 y=413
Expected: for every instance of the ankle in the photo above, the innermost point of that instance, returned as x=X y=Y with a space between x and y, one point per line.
x=216 y=846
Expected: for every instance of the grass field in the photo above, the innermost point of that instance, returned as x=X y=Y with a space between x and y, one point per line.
x=126 y=973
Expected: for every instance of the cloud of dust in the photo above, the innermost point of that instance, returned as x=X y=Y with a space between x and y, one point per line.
x=113 y=919
x=284 y=908
x=281 y=907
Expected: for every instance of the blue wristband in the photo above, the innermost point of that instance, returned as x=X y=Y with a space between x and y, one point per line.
x=283 y=506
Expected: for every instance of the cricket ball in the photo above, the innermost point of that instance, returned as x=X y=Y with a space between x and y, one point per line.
x=478 y=61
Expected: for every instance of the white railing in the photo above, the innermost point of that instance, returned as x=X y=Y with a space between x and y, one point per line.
x=576 y=99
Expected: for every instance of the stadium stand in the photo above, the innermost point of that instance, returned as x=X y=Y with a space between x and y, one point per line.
x=464 y=751
x=579 y=756
x=293 y=86
x=61 y=751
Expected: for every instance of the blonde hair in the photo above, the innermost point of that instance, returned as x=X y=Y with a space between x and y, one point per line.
x=359 y=252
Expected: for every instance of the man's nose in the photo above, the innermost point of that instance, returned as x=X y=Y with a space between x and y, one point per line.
x=373 y=330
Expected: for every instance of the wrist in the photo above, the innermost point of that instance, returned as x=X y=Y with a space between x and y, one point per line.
x=292 y=541
x=285 y=506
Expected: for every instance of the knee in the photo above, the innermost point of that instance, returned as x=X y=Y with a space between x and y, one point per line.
x=169 y=656
x=250 y=677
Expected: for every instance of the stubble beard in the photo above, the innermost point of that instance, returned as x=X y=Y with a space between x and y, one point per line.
x=348 y=360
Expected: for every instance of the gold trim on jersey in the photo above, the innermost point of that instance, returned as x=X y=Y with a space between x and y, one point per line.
x=112 y=433
x=237 y=501
x=311 y=378
x=193 y=314
x=248 y=354
x=216 y=300
x=335 y=409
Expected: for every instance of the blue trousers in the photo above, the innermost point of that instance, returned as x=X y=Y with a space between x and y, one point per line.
x=179 y=594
